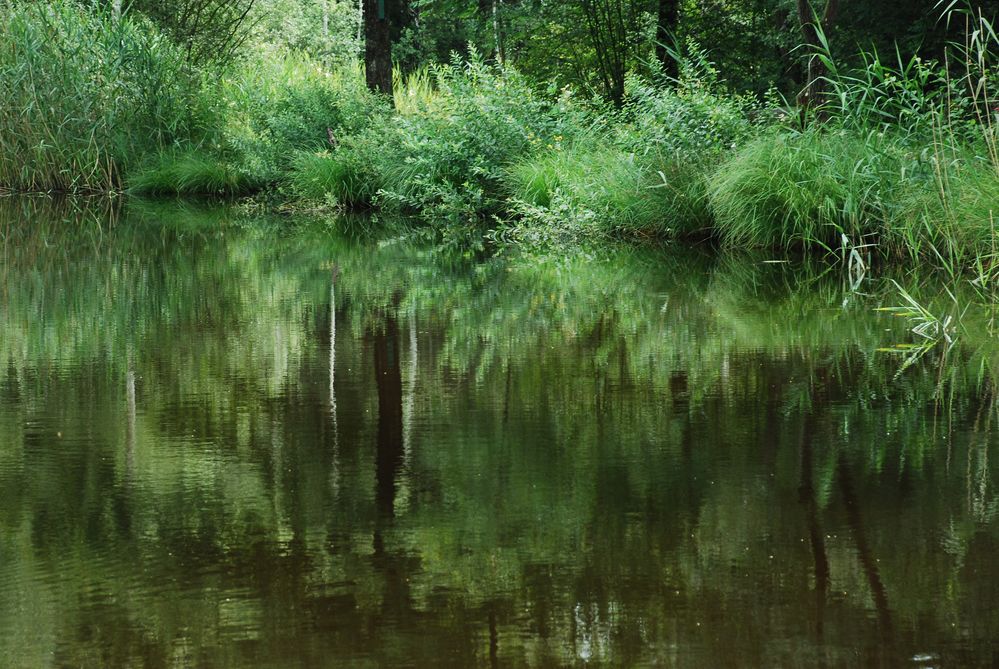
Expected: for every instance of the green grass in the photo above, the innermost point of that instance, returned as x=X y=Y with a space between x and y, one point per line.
x=948 y=214
x=191 y=174
x=616 y=190
x=335 y=177
x=790 y=189
x=83 y=95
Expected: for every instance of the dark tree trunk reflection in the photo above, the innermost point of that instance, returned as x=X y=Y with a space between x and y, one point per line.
x=388 y=377
x=395 y=568
x=864 y=552
x=806 y=495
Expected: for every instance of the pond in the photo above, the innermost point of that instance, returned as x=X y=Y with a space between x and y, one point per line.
x=238 y=441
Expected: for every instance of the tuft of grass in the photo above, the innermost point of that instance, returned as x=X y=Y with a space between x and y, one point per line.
x=613 y=189
x=414 y=91
x=536 y=178
x=191 y=174
x=331 y=176
x=811 y=188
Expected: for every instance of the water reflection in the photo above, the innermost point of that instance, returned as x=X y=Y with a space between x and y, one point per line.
x=227 y=442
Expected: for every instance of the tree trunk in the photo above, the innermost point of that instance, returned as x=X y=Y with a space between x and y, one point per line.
x=378 y=46
x=666 y=25
x=813 y=94
x=790 y=63
x=609 y=24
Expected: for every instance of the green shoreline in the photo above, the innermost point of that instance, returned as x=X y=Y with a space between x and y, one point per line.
x=900 y=162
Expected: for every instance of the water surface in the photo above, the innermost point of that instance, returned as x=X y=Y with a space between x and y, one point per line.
x=237 y=442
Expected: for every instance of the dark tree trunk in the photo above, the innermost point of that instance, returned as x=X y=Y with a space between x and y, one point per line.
x=378 y=46
x=791 y=65
x=666 y=25
x=813 y=94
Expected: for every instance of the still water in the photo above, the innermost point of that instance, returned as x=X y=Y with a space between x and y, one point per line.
x=228 y=442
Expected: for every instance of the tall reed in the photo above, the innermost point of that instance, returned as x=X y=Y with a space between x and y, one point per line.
x=82 y=94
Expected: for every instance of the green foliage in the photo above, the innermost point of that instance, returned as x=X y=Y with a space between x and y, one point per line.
x=786 y=189
x=645 y=174
x=90 y=102
x=190 y=173
x=209 y=31
x=909 y=97
x=610 y=190
x=694 y=118
x=83 y=95
x=282 y=103
x=270 y=121
x=337 y=176
x=946 y=209
x=902 y=154
x=445 y=158
x=326 y=30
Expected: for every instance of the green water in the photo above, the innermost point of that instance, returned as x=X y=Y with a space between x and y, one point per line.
x=227 y=442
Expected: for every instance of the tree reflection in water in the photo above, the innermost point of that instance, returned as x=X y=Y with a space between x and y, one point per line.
x=232 y=442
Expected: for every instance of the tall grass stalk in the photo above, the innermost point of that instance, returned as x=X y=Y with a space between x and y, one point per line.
x=82 y=94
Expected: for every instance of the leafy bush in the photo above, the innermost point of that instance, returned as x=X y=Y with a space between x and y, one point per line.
x=646 y=171
x=445 y=158
x=691 y=120
x=285 y=103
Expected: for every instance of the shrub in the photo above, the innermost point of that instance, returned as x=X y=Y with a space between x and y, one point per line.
x=644 y=173
x=693 y=120
x=445 y=158
x=285 y=103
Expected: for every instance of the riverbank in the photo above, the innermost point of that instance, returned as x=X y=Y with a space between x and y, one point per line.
x=900 y=163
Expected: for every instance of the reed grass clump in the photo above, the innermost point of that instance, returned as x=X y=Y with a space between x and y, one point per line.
x=335 y=177
x=82 y=95
x=191 y=174
x=792 y=189
x=947 y=211
x=615 y=190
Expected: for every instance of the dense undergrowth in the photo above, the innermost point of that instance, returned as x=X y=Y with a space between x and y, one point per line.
x=902 y=158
